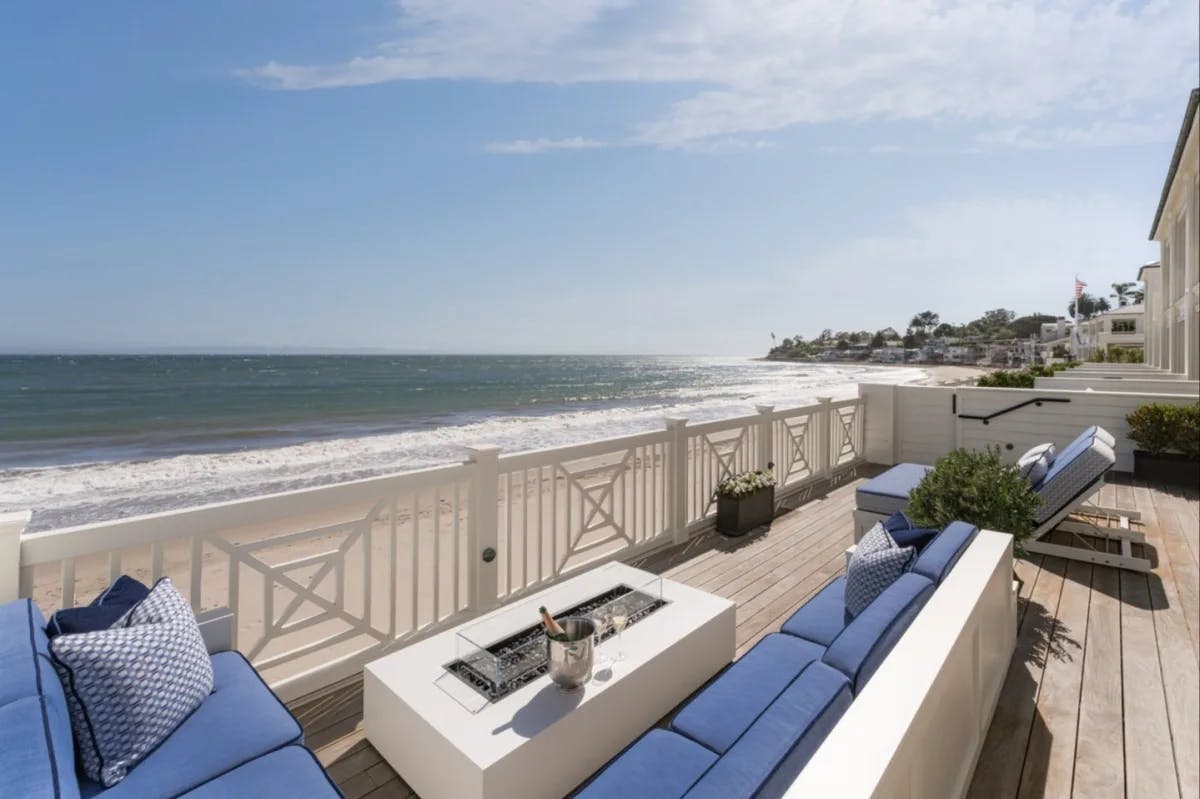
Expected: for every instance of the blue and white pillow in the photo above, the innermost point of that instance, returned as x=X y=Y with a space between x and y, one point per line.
x=1035 y=464
x=873 y=568
x=130 y=686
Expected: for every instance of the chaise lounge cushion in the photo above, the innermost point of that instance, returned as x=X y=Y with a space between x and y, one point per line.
x=939 y=557
x=867 y=639
x=888 y=492
x=288 y=773
x=730 y=704
x=767 y=758
x=662 y=764
x=1074 y=471
x=239 y=721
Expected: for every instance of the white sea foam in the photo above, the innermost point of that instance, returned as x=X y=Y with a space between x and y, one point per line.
x=69 y=495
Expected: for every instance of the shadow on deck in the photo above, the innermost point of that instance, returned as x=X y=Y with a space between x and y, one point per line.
x=1101 y=697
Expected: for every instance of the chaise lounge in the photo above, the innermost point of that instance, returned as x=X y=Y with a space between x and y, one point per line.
x=752 y=730
x=1074 y=475
x=241 y=741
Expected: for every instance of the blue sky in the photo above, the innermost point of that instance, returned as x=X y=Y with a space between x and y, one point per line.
x=593 y=176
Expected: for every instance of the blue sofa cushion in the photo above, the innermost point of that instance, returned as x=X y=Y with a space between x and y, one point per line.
x=905 y=532
x=130 y=686
x=241 y=720
x=103 y=611
x=288 y=773
x=867 y=639
x=731 y=703
x=661 y=764
x=765 y=761
x=35 y=730
x=936 y=560
x=897 y=522
x=870 y=573
x=888 y=492
x=21 y=639
x=822 y=618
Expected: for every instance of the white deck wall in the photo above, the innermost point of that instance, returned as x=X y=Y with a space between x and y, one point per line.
x=1121 y=384
x=926 y=421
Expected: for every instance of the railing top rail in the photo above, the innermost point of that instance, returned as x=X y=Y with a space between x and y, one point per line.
x=535 y=457
x=723 y=424
x=846 y=403
x=106 y=536
x=799 y=410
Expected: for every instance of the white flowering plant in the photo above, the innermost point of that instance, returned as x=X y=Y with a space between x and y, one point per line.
x=746 y=483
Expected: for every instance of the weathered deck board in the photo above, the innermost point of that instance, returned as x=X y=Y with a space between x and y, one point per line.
x=1102 y=697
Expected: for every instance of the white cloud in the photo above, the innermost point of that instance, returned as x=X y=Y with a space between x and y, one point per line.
x=764 y=65
x=529 y=146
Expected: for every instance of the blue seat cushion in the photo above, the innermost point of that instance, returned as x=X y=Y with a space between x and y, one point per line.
x=661 y=764
x=288 y=773
x=27 y=758
x=732 y=702
x=866 y=641
x=822 y=618
x=940 y=555
x=21 y=640
x=109 y=605
x=767 y=758
x=888 y=492
x=239 y=721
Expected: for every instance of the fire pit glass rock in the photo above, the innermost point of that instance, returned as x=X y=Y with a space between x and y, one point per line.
x=494 y=660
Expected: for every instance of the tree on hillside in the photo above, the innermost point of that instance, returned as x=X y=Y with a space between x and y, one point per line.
x=923 y=321
x=1089 y=305
x=943 y=330
x=1127 y=294
x=877 y=340
x=1031 y=325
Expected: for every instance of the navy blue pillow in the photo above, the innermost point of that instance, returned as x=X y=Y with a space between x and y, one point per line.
x=914 y=537
x=112 y=603
x=897 y=522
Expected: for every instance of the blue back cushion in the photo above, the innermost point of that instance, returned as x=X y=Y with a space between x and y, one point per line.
x=37 y=756
x=731 y=703
x=764 y=762
x=866 y=641
x=943 y=552
x=661 y=764
x=823 y=617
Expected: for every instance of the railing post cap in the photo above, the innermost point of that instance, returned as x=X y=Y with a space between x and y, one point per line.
x=824 y=400
x=764 y=408
x=17 y=518
x=675 y=421
x=479 y=451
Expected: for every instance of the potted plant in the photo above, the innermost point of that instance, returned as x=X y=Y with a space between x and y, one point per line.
x=745 y=501
x=975 y=486
x=1168 y=443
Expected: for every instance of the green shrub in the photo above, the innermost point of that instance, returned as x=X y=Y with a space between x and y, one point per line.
x=1189 y=431
x=1005 y=379
x=1159 y=427
x=977 y=487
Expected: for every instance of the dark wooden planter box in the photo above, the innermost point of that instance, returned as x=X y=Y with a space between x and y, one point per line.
x=1172 y=468
x=740 y=516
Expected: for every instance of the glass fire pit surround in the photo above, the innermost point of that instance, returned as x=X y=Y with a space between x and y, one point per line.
x=506 y=650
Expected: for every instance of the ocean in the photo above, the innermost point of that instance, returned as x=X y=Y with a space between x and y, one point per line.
x=88 y=438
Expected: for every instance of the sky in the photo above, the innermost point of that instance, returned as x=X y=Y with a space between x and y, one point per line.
x=676 y=176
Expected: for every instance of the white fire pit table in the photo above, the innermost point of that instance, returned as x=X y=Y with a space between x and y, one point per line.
x=446 y=739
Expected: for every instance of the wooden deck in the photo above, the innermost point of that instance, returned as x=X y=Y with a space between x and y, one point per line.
x=1102 y=697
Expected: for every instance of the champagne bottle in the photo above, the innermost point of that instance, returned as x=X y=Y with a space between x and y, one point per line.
x=552 y=627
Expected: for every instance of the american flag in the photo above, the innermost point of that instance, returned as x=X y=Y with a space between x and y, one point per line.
x=1079 y=287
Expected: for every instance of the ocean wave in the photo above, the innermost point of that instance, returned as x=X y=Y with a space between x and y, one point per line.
x=77 y=494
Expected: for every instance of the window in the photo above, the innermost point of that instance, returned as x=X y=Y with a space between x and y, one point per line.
x=1124 y=326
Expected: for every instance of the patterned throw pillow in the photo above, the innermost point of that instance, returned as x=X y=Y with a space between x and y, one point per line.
x=1035 y=464
x=130 y=686
x=874 y=540
x=871 y=571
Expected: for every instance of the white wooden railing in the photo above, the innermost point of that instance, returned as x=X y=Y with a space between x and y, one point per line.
x=321 y=580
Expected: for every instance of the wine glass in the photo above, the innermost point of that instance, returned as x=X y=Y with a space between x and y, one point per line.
x=602 y=618
x=620 y=618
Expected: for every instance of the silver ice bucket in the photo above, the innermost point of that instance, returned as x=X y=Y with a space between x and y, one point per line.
x=571 y=654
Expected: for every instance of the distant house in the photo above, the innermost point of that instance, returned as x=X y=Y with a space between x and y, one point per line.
x=1119 y=328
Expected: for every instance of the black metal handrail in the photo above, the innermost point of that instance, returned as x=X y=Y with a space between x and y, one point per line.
x=985 y=419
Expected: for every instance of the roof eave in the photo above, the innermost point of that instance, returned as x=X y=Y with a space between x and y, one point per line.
x=1188 y=117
